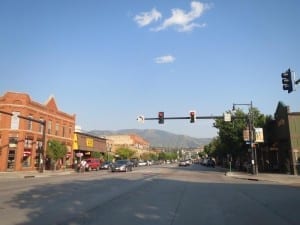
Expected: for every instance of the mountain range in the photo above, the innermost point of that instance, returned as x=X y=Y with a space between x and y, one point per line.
x=158 y=138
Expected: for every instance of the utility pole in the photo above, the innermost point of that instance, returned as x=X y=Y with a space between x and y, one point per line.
x=251 y=136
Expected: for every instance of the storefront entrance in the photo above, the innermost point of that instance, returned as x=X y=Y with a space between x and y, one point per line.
x=11 y=159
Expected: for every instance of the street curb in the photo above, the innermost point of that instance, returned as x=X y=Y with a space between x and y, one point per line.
x=243 y=177
x=30 y=174
x=294 y=181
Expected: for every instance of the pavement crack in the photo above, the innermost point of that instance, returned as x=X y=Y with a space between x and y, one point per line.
x=178 y=204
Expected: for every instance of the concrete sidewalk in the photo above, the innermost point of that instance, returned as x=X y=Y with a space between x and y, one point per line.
x=33 y=174
x=293 y=180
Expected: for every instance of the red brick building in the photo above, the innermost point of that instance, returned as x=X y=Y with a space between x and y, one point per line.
x=21 y=139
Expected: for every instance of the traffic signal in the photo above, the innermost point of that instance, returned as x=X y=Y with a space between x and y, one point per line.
x=287 y=81
x=161 y=117
x=192 y=116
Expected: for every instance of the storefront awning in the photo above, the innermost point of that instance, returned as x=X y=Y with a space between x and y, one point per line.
x=26 y=153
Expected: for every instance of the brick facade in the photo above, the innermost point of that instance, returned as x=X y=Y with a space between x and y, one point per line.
x=21 y=139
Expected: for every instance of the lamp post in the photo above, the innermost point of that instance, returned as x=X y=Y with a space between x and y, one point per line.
x=251 y=136
x=108 y=149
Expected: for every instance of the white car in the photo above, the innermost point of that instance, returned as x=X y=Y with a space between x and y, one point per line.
x=142 y=163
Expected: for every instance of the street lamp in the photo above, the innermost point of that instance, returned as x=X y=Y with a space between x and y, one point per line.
x=251 y=136
x=43 y=149
x=108 y=149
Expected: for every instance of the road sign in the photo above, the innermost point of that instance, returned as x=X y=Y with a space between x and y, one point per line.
x=227 y=117
x=141 y=119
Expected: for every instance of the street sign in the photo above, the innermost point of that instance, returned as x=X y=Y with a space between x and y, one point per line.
x=227 y=117
x=141 y=119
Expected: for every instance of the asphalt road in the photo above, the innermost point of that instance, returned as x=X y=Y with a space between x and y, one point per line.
x=155 y=195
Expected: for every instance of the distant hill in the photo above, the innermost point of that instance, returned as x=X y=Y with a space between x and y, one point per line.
x=159 y=138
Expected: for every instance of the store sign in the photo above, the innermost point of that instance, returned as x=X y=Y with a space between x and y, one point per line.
x=90 y=142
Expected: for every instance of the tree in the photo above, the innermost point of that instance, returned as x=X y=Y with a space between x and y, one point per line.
x=167 y=156
x=125 y=153
x=230 y=134
x=213 y=147
x=55 y=151
x=107 y=157
x=97 y=155
x=145 y=156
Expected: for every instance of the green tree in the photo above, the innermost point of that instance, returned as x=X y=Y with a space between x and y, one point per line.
x=153 y=156
x=108 y=156
x=97 y=155
x=213 y=147
x=125 y=153
x=55 y=151
x=167 y=156
x=145 y=156
x=230 y=135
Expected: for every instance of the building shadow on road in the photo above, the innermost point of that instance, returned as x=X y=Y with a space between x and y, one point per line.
x=171 y=198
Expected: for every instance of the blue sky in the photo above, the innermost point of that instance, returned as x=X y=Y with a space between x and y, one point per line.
x=110 y=61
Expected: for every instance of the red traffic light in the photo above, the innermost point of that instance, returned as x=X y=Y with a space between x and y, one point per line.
x=192 y=116
x=161 y=117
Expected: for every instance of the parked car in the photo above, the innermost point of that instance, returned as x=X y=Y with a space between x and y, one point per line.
x=122 y=165
x=142 y=163
x=105 y=165
x=184 y=163
x=211 y=163
x=92 y=164
x=134 y=161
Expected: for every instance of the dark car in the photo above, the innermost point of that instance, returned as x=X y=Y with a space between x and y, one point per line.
x=134 y=161
x=122 y=165
x=105 y=165
x=211 y=163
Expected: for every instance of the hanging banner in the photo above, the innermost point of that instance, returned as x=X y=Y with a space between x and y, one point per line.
x=259 y=135
x=246 y=135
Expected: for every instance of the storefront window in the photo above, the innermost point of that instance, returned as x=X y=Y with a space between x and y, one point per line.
x=49 y=126
x=11 y=159
x=29 y=123
x=41 y=126
x=56 y=129
x=26 y=161
x=39 y=146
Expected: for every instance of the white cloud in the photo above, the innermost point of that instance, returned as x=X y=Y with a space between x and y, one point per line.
x=145 y=18
x=164 y=59
x=183 y=21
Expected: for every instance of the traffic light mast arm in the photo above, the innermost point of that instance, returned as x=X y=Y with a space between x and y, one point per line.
x=43 y=122
x=185 y=117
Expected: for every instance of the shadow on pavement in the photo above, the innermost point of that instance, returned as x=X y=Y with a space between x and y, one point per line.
x=170 y=199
